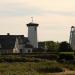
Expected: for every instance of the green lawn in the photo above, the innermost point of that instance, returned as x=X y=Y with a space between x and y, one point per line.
x=28 y=68
x=66 y=52
x=32 y=66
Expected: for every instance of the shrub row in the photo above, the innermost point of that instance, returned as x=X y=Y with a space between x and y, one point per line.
x=51 y=69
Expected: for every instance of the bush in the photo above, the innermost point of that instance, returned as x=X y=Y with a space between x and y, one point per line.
x=51 y=69
x=65 y=57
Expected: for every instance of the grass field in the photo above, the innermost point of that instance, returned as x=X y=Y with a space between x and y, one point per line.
x=31 y=65
x=34 y=68
x=27 y=68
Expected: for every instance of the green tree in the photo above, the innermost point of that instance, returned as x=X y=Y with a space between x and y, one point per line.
x=64 y=47
x=49 y=46
x=52 y=46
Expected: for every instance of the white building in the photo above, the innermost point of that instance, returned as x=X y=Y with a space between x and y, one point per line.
x=32 y=34
x=14 y=44
x=19 y=43
x=72 y=37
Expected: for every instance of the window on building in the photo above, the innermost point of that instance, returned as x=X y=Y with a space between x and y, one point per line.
x=0 y=46
x=29 y=51
x=20 y=50
x=35 y=28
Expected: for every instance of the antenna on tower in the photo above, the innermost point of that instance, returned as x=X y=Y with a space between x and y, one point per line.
x=32 y=19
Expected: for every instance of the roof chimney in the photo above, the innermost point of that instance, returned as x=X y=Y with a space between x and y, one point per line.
x=8 y=34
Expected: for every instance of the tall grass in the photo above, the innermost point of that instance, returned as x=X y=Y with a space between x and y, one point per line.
x=28 y=68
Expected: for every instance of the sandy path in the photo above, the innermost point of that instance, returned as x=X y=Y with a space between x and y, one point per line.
x=63 y=73
x=66 y=72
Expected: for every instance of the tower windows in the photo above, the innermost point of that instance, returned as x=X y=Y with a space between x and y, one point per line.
x=35 y=28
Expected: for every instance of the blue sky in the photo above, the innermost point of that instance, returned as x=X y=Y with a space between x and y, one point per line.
x=55 y=17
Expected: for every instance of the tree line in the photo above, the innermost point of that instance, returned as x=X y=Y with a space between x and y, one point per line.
x=51 y=46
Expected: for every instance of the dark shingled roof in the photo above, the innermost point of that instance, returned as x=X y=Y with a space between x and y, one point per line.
x=32 y=24
x=28 y=46
x=8 y=41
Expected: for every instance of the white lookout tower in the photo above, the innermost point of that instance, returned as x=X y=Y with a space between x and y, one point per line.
x=72 y=37
x=32 y=34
